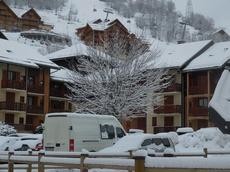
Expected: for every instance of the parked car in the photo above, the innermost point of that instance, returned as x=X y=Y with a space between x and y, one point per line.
x=74 y=131
x=6 y=142
x=132 y=131
x=24 y=143
x=158 y=143
x=184 y=130
x=20 y=134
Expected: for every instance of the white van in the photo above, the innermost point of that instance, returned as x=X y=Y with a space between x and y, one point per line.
x=74 y=131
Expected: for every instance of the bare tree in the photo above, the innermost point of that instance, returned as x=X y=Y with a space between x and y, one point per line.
x=116 y=79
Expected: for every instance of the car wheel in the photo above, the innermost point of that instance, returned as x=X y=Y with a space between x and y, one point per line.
x=24 y=147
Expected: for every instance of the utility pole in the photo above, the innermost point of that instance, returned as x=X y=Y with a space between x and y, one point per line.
x=189 y=12
x=107 y=11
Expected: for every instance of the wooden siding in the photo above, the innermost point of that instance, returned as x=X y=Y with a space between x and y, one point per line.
x=11 y=22
x=200 y=87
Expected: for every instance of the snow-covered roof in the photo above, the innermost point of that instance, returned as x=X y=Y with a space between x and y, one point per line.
x=221 y=98
x=176 y=55
x=19 y=12
x=214 y=57
x=61 y=75
x=75 y=50
x=16 y=53
x=101 y=25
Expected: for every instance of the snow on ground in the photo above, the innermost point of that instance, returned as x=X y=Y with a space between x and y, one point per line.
x=211 y=138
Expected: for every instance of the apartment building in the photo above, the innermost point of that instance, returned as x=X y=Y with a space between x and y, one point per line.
x=25 y=85
x=168 y=114
x=201 y=77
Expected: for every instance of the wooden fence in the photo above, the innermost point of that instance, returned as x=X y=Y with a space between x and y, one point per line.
x=130 y=161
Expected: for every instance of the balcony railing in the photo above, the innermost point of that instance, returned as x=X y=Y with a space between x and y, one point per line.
x=173 y=88
x=21 y=85
x=12 y=106
x=36 y=88
x=198 y=90
x=57 y=93
x=198 y=112
x=165 y=129
x=59 y=110
x=167 y=109
x=35 y=109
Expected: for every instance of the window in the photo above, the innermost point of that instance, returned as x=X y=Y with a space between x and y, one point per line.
x=107 y=131
x=9 y=118
x=21 y=120
x=168 y=100
x=12 y=75
x=166 y=142
x=30 y=101
x=22 y=99
x=29 y=119
x=203 y=102
x=157 y=141
x=154 y=121
x=147 y=142
x=120 y=132
x=168 y=121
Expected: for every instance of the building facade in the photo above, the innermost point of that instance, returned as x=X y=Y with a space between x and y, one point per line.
x=200 y=86
x=27 y=90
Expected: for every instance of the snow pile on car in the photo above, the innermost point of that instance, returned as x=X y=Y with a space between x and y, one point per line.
x=6 y=129
x=211 y=138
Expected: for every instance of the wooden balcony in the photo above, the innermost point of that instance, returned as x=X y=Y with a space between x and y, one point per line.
x=57 y=93
x=12 y=106
x=195 y=112
x=51 y=110
x=165 y=129
x=36 y=89
x=21 y=85
x=35 y=109
x=167 y=109
x=198 y=90
x=173 y=88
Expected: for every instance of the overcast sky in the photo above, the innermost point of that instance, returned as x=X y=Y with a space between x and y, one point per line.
x=219 y=10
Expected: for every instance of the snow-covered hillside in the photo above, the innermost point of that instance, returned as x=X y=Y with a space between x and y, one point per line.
x=84 y=11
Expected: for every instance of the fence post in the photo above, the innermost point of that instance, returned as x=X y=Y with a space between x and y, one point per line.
x=41 y=167
x=29 y=168
x=10 y=162
x=205 y=152
x=139 y=163
x=131 y=157
x=130 y=154
x=82 y=166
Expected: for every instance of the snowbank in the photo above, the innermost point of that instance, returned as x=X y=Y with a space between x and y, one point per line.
x=211 y=138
